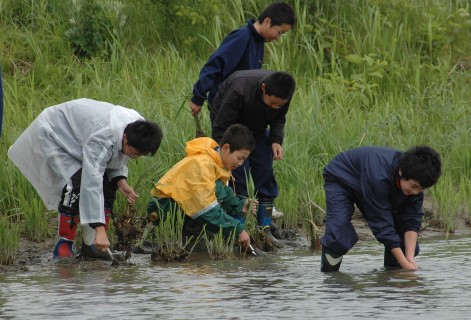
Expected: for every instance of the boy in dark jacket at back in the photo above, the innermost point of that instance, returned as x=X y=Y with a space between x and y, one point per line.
x=258 y=99
x=387 y=187
x=242 y=49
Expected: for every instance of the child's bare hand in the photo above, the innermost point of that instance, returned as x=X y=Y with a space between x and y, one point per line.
x=412 y=261
x=409 y=266
x=244 y=239
x=254 y=207
x=247 y=205
x=194 y=108
x=277 y=151
x=101 y=239
x=127 y=191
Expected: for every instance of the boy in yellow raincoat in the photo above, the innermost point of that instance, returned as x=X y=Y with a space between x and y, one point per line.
x=198 y=184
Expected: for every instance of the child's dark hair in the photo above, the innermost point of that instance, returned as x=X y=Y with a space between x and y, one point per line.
x=239 y=137
x=144 y=135
x=279 y=13
x=279 y=84
x=422 y=164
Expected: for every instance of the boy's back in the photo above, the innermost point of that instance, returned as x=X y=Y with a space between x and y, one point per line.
x=239 y=100
x=356 y=166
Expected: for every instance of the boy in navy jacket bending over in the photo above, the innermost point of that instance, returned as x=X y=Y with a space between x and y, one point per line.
x=387 y=187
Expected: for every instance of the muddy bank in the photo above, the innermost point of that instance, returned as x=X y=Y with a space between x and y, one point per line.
x=31 y=254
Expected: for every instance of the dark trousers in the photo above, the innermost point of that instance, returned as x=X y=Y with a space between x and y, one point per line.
x=340 y=236
x=260 y=165
x=71 y=194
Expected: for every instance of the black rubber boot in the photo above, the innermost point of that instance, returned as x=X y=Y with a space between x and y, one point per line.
x=330 y=263
x=91 y=252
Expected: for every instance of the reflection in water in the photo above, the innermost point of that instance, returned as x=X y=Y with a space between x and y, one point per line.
x=288 y=285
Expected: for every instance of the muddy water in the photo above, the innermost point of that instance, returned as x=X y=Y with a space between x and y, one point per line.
x=287 y=285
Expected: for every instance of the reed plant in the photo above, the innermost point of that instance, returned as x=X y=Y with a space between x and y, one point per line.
x=36 y=219
x=447 y=206
x=169 y=243
x=9 y=241
x=250 y=221
x=220 y=247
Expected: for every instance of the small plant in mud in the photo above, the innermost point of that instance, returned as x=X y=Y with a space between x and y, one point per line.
x=169 y=244
x=258 y=237
x=9 y=239
x=128 y=229
x=313 y=232
x=220 y=247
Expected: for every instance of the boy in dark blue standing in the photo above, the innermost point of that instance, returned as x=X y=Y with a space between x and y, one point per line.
x=242 y=49
x=387 y=187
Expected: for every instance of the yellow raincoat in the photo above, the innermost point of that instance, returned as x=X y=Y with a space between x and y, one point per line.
x=192 y=181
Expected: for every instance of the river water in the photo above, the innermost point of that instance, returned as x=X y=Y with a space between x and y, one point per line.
x=286 y=285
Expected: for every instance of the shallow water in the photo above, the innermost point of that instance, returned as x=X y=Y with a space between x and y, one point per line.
x=287 y=285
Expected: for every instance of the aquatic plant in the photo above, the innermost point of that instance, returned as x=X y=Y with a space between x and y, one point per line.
x=250 y=222
x=313 y=232
x=219 y=246
x=169 y=243
x=258 y=236
x=9 y=241
x=36 y=219
x=446 y=205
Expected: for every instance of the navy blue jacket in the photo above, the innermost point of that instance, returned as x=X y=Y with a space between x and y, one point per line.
x=239 y=100
x=371 y=173
x=242 y=49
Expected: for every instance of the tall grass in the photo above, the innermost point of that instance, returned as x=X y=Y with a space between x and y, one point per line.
x=9 y=239
x=368 y=72
x=36 y=219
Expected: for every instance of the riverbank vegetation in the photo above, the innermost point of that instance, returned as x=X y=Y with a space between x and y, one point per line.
x=368 y=72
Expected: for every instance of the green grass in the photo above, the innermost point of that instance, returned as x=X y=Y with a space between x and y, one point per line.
x=220 y=247
x=9 y=239
x=368 y=72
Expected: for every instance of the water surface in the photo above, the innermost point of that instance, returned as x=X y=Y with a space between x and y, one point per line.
x=287 y=285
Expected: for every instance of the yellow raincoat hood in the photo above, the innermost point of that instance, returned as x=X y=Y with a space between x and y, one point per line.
x=192 y=181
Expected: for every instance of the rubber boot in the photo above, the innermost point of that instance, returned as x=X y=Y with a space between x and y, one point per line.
x=330 y=262
x=89 y=250
x=66 y=234
x=264 y=216
x=107 y=218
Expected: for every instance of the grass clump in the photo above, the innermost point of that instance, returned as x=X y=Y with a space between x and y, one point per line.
x=36 y=220
x=219 y=246
x=9 y=241
x=169 y=243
